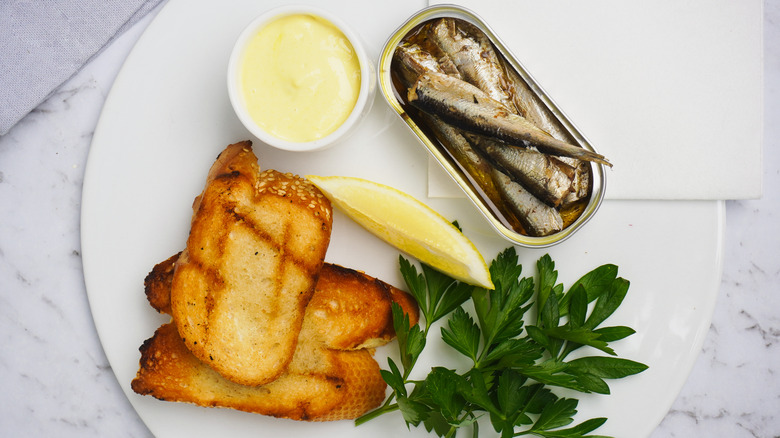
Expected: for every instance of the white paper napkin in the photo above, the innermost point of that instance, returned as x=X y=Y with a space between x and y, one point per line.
x=670 y=91
x=42 y=44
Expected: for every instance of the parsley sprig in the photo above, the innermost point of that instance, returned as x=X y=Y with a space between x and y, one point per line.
x=514 y=366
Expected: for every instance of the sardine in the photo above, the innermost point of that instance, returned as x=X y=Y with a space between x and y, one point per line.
x=460 y=148
x=535 y=111
x=580 y=182
x=413 y=62
x=544 y=176
x=474 y=57
x=479 y=63
x=479 y=170
x=467 y=107
x=538 y=218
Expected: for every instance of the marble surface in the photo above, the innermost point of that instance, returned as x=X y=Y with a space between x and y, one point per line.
x=56 y=380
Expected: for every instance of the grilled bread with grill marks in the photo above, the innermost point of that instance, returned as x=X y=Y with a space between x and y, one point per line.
x=240 y=287
x=349 y=309
x=329 y=378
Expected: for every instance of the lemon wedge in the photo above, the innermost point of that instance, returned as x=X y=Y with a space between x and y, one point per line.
x=407 y=224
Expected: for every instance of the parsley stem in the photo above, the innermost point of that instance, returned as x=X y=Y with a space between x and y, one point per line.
x=384 y=409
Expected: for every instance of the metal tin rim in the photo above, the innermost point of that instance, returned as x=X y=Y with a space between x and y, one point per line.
x=386 y=87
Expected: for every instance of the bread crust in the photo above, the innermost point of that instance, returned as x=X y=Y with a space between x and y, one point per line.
x=240 y=287
x=157 y=284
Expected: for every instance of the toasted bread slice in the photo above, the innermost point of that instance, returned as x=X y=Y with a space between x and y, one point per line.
x=240 y=287
x=320 y=384
x=349 y=309
x=329 y=377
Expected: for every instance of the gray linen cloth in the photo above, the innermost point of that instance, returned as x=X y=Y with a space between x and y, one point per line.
x=44 y=43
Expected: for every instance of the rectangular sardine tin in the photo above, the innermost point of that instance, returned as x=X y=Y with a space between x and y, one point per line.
x=557 y=124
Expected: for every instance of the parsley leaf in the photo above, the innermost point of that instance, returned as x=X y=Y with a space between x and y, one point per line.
x=463 y=334
x=410 y=338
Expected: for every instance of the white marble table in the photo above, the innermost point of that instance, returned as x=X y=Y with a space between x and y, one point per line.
x=56 y=380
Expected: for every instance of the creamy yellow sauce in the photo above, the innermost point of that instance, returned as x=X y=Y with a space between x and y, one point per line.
x=300 y=78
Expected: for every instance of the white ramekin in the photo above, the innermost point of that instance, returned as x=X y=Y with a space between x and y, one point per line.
x=365 y=96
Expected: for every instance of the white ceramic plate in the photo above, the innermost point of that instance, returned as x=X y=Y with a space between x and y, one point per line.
x=167 y=118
